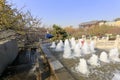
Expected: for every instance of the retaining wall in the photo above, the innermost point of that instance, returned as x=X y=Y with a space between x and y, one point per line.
x=8 y=52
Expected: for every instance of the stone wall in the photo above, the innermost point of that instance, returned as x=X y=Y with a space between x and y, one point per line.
x=105 y=42
x=8 y=52
x=102 y=44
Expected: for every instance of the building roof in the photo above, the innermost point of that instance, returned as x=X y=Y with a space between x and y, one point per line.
x=117 y=19
x=91 y=22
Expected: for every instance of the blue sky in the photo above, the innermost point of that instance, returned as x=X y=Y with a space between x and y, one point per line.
x=70 y=12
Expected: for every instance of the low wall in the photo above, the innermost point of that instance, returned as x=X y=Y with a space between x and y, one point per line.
x=105 y=43
x=8 y=52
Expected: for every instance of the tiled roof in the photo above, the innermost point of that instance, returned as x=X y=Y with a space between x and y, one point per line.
x=91 y=22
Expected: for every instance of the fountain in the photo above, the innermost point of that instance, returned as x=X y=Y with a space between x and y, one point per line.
x=66 y=44
x=114 y=55
x=85 y=48
x=67 y=50
x=59 y=46
x=104 y=57
x=95 y=69
x=61 y=42
x=77 y=50
x=73 y=42
x=82 y=67
x=116 y=76
x=93 y=60
x=53 y=45
x=92 y=46
x=81 y=42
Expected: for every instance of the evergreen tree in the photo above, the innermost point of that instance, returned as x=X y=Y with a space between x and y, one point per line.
x=58 y=33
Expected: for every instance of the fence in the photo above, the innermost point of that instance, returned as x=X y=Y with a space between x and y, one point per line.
x=106 y=43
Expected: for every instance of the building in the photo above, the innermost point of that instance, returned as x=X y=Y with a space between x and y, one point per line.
x=91 y=24
x=112 y=23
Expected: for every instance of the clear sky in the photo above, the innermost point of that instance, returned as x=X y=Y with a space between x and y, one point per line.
x=71 y=12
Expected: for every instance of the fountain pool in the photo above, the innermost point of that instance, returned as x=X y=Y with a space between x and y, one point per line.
x=81 y=66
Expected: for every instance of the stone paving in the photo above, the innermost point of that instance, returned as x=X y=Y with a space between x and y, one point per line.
x=59 y=69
